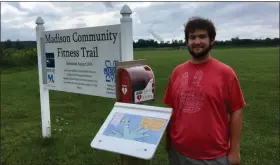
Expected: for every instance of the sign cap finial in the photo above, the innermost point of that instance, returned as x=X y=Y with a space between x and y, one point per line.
x=126 y=10
x=39 y=21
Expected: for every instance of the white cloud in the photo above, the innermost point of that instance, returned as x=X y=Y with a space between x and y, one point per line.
x=87 y=19
x=134 y=5
x=9 y=10
x=47 y=7
x=166 y=19
x=10 y=13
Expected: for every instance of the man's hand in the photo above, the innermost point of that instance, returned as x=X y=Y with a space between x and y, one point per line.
x=235 y=136
x=234 y=157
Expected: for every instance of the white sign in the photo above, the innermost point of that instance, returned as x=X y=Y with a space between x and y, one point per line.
x=133 y=129
x=83 y=60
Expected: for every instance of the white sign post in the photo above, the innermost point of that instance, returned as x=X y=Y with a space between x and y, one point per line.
x=44 y=93
x=81 y=60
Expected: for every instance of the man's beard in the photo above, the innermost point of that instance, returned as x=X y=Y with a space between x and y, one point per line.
x=200 y=55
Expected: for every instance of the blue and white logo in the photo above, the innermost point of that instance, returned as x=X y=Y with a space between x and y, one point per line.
x=110 y=70
x=50 y=78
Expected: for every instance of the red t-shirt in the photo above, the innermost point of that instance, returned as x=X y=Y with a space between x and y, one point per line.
x=199 y=95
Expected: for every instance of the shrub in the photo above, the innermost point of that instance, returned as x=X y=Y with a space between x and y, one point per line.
x=18 y=58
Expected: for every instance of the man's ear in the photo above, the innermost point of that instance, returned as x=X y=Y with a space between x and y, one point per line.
x=212 y=42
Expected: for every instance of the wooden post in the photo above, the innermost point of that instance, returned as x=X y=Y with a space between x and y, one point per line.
x=128 y=160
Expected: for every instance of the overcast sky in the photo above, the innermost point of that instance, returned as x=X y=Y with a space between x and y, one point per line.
x=166 y=19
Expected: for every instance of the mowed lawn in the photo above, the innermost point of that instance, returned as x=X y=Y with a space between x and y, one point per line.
x=76 y=118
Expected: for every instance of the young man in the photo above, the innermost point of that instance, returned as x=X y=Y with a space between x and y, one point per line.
x=207 y=101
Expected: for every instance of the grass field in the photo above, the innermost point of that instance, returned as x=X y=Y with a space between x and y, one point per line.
x=76 y=118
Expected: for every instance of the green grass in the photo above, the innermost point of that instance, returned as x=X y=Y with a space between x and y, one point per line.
x=80 y=116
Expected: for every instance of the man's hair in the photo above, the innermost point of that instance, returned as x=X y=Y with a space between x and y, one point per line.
x=198 y=23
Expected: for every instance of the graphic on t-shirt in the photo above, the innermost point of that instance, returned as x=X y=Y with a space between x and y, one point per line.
x=191 y=99
x=136 y=127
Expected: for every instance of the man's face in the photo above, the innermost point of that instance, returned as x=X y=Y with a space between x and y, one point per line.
x=199 y=44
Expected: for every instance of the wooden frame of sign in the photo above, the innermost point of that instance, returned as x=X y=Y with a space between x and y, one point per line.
x=128 y=160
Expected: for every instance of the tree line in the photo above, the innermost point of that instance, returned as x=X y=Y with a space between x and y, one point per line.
x=151 y=43
x=24 y=53
x=234 y=42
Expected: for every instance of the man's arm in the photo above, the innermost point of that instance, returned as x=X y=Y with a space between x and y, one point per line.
x=167 y=99
x=235 y=102
x=236 y=130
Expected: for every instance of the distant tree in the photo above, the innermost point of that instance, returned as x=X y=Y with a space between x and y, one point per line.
x=19 y=45
x=8 y=43
x=151 y=43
